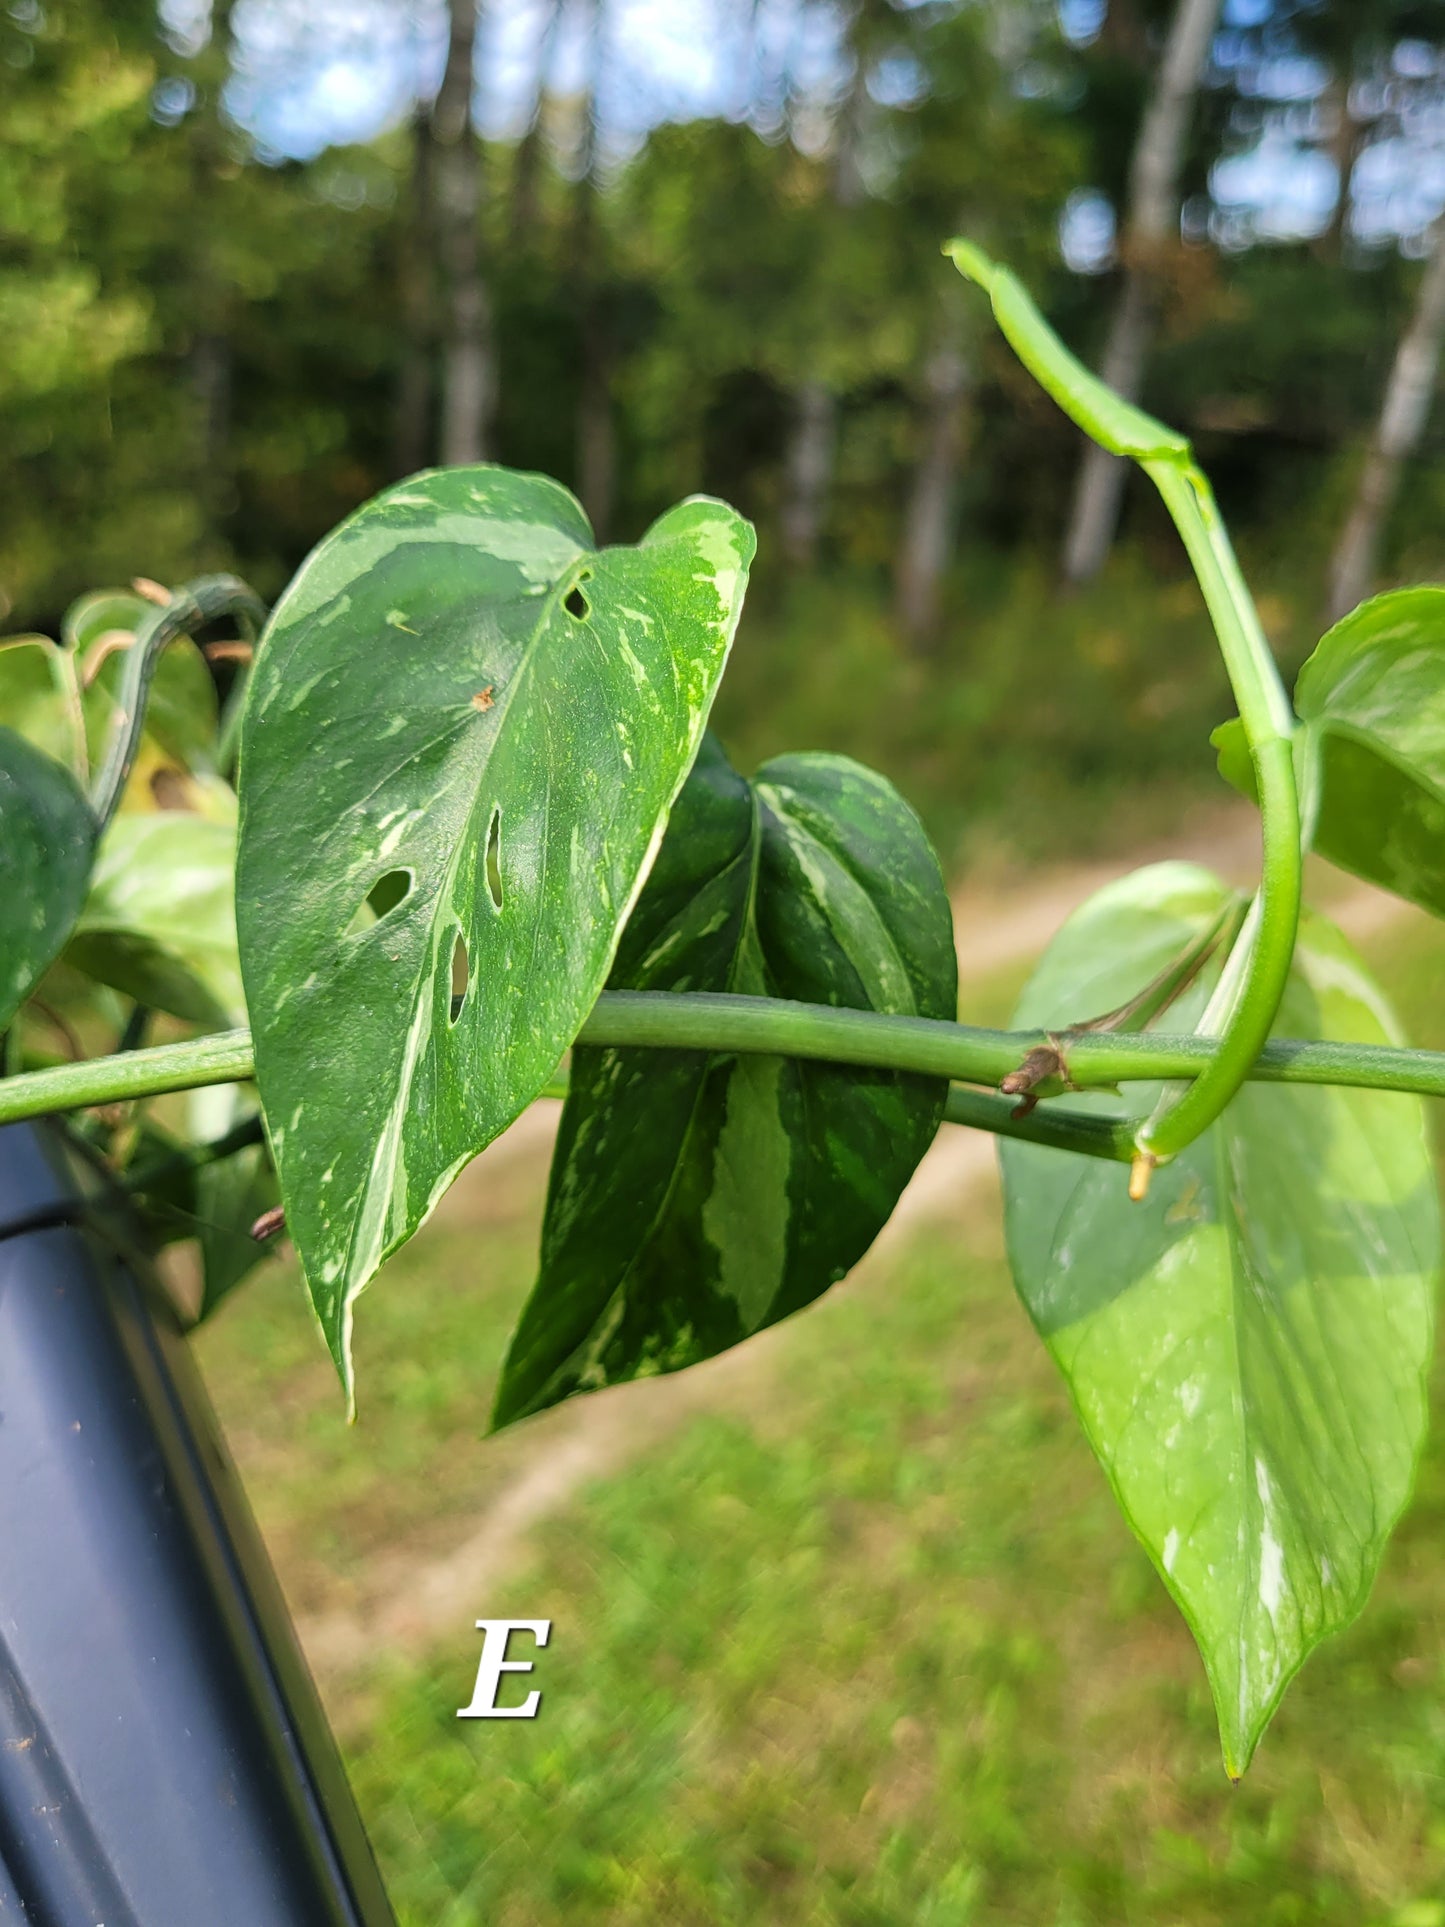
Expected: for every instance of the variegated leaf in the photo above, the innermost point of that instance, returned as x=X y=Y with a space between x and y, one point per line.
x=695 y=1198
x=466 y=716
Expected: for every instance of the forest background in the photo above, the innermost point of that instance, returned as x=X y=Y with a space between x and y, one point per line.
x=846 y=1627
x=258 y=259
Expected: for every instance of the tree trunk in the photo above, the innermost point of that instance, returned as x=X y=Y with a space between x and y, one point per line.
x=596 y=431
x=808 y=471
x=928 y=520
x=1099 y=489
x=209 y=359
x=1345 y=142
x=1406 y=408
x=468 y=357
x=211 y=389
x=527 y=163
x=808 y=465
x=1151 y=224
x=411 y=433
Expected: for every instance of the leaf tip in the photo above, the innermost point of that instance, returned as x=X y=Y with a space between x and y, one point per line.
x=336 y=1322
x=971 y=261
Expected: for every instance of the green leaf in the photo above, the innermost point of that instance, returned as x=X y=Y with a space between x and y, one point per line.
x=1373 y=697
x=181 y=1193
x=99 y=612
x=181 y=716
x=39 y=699
x=1247 y=1347
x=159 y=922
x=231 y=1193
x=695 y=1199
x=1236 y=765
x=45 y=855
x=457 y=687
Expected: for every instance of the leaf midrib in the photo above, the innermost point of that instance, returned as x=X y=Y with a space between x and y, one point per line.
x=413 y=1051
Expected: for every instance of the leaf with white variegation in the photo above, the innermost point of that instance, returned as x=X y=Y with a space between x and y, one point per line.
x=751 y=1184
x=1246 y=1348
x=47 y=837
x=459 y=698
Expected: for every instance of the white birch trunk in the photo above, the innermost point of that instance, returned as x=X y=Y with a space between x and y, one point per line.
x=468 y=356
x=1408 y=394
x=928 y=519
x=1151 y=224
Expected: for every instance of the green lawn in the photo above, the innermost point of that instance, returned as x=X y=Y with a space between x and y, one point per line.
x=863 y=1641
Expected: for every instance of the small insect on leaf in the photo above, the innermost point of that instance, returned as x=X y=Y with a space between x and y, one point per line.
x=484 y=697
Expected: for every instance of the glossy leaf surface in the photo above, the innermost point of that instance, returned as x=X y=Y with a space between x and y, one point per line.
x=1247 y=1347
x=159 y=921
x=1372 y=702
x=1373 y=693
x=695 y=1199
x=46 y=845
x=460 y=691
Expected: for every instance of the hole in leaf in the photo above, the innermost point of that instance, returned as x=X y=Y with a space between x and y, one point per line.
x=494 y=857
x=575 y=603
x=461 y=973
x=381 y=899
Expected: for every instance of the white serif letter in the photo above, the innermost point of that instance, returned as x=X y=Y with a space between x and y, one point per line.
x=494 y=1662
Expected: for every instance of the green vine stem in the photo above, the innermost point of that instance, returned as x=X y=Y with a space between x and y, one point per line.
x=662 y=1020
x=1269 y=727
x=198 y=602
x=1165 y=456
x=1056 y=1125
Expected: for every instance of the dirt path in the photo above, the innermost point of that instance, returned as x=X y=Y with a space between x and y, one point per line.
x=412 y=1600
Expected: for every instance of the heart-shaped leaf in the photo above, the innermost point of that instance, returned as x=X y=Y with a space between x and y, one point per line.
x=1247 y=1347
x=159 y=922
x=45 y=855
x=461 y=699
x=1372 y=703
x=751 y=1184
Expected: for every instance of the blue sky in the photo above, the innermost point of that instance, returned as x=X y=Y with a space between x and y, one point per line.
x=315 y=73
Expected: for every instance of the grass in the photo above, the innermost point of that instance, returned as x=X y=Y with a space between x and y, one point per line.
x=866 y=1645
